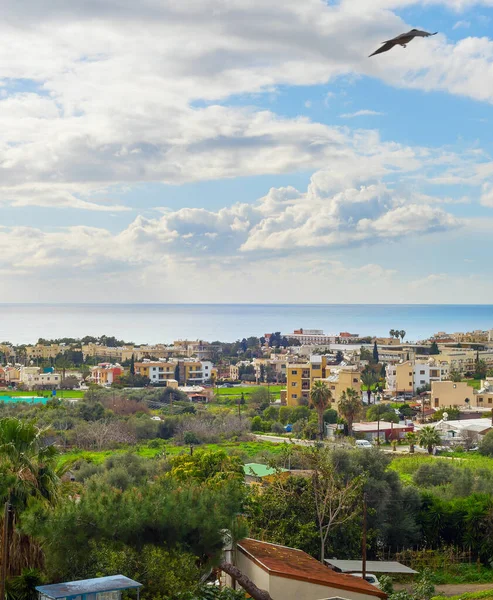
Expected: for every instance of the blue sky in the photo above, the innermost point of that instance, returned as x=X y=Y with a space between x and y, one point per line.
x=234 y=151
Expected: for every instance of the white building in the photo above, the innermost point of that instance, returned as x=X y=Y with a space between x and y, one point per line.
x=32 y=377
x=311 y=337
x=407 y=376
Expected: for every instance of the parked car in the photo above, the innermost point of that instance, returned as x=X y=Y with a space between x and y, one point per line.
x=368 y=577
x=363 y=444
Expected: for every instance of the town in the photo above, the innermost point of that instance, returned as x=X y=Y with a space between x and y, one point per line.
x=379 y=437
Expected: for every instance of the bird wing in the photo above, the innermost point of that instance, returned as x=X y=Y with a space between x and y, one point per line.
x=385 y=48
x=419 y=33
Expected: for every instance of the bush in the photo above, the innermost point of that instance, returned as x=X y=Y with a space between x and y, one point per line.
x=277 y=427
x=299 y=413
x=438 y=473
x=257 y=424
x=285 y=413
x=330 y=416
x=486 y=444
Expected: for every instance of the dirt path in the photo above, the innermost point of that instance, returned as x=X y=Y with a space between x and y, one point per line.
x=453 y=589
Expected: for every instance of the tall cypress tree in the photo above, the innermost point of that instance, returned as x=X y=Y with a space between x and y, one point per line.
x=375 y=353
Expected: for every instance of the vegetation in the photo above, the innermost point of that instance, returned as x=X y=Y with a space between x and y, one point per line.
x=320 y=398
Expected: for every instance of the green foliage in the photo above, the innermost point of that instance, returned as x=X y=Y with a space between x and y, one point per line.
x=486 y=444
x=383 y=412
x=330 y=416
x=285 y=413
x=299 y=413
x=205 y=465
x=434 y=350
x=350 y=407
x=452 y=412
x=428 y=438
x=23 y=586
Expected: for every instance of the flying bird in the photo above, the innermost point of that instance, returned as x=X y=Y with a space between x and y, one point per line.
x=402 y=40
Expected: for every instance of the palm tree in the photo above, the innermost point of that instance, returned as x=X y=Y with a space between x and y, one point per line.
x=412 y=439
x=28 y=469
x=320 y=397
x=429 y=438
x=402 y=334
x=350 y=407
x=368 y=379
x=392 y=333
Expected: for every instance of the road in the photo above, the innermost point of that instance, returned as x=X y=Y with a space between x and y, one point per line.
x=280 y=440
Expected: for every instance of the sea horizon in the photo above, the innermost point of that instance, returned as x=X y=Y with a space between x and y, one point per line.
x=141 y=323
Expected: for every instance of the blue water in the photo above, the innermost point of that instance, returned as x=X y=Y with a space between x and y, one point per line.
x=153 y=323
x=32 y=399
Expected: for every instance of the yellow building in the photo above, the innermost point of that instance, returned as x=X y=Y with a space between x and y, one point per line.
x=157 y=371
x=39 y=351
x=300 y=378
x=340 y=379
x=459 y=394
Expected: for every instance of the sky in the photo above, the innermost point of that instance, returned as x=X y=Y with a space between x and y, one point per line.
x=245 y=151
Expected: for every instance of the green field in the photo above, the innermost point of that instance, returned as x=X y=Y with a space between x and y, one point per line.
x=43 y=394
x=248 y=449
x=407 y=465
x=235 y=392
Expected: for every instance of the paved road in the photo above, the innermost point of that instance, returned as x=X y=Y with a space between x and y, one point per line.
x=280 y=440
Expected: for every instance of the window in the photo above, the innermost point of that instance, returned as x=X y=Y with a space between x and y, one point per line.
x=410 y=374
x=422 y=382
x=316 y=366
x=293 y=384
x=437 y=402
x=294 y=372
x=355 y=380
x=490 y=401
x=421 y=372
x=480 y=399
x=294 y=395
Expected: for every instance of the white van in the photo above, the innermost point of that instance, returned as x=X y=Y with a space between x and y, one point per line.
x=363 y=444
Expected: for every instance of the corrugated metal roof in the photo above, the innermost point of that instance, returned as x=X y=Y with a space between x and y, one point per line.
x=372 y=566
x=72 y=589
x=259 y=470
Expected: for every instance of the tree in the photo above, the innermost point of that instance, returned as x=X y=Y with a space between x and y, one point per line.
x=411 y=439
x=480 y=368
x=428 y=438
x=434 y=349
x=375 y=353
x=392 y=333
x=320 y=397
x=381 y=412
x=402 y=334
x=486 y=444
x=339 y=357
x=334 y=497
x=246 y=583
x=368 y=379
x=132 y=365
x=28 y=469
x=455 y=376
x=350 y=407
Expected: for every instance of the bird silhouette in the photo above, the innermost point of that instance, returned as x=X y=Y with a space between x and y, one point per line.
x=402 y=40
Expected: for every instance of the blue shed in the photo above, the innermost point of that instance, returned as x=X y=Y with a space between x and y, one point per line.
x=100 y=588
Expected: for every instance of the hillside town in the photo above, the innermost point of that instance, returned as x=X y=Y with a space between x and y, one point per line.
x=338 y=451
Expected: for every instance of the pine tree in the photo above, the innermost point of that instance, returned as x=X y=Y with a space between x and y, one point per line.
x=132 y=365
x=375 y=353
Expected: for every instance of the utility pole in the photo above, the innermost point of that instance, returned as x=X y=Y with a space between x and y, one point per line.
x=5 y=543
x=363 y=540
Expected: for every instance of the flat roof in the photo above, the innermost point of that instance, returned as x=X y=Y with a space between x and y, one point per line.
x=372 y=566
x=72 y=589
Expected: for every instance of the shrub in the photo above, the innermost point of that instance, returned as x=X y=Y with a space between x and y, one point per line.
x=277 y=427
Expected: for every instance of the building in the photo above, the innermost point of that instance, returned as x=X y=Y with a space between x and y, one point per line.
x=234 y=372
x=461 y=431
x=405 y=378
x=32 y=378
x=100 y=588
x=300 y=377
x=340 y=378
x=194 y=372
x=311 y=337
x=291 y=574
x=106 y=373
x=159 y=372
x=387 y=431
x=41 y=352
x=463 y=360
x=459 y=394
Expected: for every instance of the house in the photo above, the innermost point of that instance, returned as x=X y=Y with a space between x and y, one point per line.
x=291 y=574
x=370 y=431
x=372 y=566
x=406 y=377
x=465 y=429
x=106 y=373
x=445 y=394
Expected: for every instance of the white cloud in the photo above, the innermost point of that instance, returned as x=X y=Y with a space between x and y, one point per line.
x=362 y=113
x=462 y=24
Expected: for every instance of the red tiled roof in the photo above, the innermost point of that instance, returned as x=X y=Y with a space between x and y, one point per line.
x=296 y=564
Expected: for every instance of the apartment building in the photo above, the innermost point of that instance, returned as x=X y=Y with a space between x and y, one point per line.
x=405 y=378
x=106 y=373
x=460 y=394
x=300 y=377
x=339 y=379
x=311 y=337
x=41 y=352
x=195 y=371
x=157 y=371
x=463 y=360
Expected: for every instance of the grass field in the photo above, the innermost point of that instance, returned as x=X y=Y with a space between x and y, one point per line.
x=407 y=465
x=44 y=394
x=247 y=391
x=248 y=449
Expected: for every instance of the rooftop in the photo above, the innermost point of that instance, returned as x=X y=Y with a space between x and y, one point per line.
x=72 y=589
x=296 y=564
x=259 y=470
x=372 y=566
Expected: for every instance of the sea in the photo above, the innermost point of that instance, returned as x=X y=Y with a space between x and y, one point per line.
x=164 y=323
